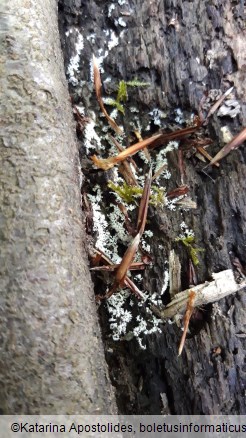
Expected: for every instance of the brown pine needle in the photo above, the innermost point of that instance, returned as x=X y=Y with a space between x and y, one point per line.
x=233 y=144
x=144 y=204
x=205 y=154
x=136 y=266
x=107 y=163
x=145 y=150
x=127 y=283
x=133 y=247
x=98 y=87
x=188 y=313
x=152 y=142
x=125 y=168
x=127 y=260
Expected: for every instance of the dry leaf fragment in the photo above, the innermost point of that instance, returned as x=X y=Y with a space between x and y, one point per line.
x=98 y=87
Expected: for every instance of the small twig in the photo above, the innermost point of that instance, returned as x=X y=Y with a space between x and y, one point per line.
x=125 y=168
x=145 y=150
x=144 y=204
x=179 y=191
x=223 y=285
x=136 y=266
x=159 y=172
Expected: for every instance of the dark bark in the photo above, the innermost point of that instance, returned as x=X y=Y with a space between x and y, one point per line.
x=51 y=355
x=182 y=48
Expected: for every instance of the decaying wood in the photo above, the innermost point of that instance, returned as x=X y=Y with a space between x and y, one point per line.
x=183 y=49
x=174 y=274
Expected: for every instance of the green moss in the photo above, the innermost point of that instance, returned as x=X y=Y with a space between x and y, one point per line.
x=130 y=194
x=127 y=193
x=112 y=102
x=157 y=198
x=122 y=92
x=193 y=251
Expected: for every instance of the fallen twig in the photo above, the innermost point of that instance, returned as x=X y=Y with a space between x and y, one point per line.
x=224 y=284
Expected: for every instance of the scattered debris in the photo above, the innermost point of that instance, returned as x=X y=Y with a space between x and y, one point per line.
x=127 y=191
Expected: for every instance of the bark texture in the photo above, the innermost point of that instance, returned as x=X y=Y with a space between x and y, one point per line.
x=51 y=355
x=182 y=48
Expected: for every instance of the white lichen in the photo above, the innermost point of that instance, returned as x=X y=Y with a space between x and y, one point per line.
x=114 y=41
x=165 y=282
x=157 y=116
x=73 y=66
x=91 y=38
x=121 y=22
x=179 y=116
x=110 y=9
x=185 y=231
x=148 y=233
x=116 y=220
x=91 y=139
x=104 y=239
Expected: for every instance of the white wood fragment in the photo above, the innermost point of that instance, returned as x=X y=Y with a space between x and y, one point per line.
x=224 y=284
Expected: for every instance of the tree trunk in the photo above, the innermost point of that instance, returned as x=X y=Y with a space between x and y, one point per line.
x=52 y=360
x=182 y=49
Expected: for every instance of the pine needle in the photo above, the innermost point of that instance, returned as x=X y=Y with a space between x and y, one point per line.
x=188 y=313
x=233 y=144
x=98 y=87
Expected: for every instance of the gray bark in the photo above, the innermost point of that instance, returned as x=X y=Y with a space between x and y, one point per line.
x=51 y=355
x=182 y=48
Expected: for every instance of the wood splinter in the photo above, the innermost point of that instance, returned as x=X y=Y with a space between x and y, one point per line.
x=223 y=284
